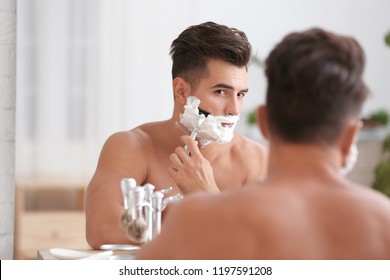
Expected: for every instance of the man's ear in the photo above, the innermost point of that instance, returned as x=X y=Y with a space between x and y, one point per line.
x=349 y=136
x=262 y=120
x=181 y=90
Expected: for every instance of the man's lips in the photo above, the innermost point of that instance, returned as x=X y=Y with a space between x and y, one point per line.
x=227 y=124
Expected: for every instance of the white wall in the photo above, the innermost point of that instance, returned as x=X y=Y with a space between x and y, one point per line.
x=266 y=22
x=7 y=125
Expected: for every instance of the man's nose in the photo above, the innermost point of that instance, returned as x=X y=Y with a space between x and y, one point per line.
x=233 y=106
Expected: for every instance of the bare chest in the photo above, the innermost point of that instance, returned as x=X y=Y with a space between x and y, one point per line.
x=228 y=174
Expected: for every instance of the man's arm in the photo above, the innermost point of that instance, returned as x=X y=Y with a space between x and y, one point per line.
x=104 y=199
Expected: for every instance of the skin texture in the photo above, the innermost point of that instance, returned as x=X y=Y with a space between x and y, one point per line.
x=304 y=210
x=154 y=153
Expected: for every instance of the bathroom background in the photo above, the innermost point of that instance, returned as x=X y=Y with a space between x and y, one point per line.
x=88 y=68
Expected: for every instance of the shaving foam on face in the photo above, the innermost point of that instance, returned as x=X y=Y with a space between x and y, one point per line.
x=212 y=128
x=351 y=160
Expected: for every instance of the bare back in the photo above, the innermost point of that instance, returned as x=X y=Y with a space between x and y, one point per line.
x=323 y=222
x=280 y=221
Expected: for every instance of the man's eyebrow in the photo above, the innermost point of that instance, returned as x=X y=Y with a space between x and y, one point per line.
x=222 y=85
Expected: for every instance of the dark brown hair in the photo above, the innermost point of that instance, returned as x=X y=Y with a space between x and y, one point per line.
x=315 y=85
x=197 y=44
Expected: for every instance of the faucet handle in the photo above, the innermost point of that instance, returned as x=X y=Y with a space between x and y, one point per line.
x=171 y=199
x=126 y=185
x=165 y=191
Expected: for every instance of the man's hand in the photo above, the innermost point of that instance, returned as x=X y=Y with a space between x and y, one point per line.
x=191 y=172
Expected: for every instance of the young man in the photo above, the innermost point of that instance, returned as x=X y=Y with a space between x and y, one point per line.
x=305 y=208
x=209 y=65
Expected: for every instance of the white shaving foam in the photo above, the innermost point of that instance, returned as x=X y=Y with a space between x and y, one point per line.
x=351 y=160
x=211 y=130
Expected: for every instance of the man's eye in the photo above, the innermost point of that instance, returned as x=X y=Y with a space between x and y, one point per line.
x=241 y=94
x=220 y=91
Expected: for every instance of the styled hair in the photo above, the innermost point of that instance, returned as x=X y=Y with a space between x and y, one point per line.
x=197 y=44
x=315 y=85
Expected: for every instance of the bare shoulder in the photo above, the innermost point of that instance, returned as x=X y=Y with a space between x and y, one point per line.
x=131 y=143
x=195 y=211
x=202 y=227
x=130 y=139
x=188 y=220
x=124 y=154
x=374 y=200
x=252 y=155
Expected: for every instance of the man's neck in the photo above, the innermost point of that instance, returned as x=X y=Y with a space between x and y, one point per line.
x=292 y=160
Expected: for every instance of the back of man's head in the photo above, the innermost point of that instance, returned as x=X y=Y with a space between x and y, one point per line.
x=199 y=43
x=315 y=86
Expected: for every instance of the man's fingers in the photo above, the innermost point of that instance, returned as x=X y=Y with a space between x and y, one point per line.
x=192 y=145
x=172 y=171
x=175 y=161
